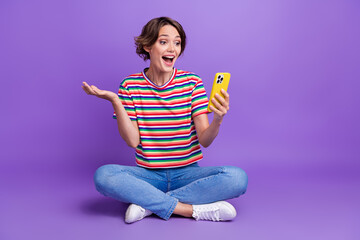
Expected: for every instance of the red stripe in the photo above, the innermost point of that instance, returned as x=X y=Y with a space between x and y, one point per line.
x=169 y=154
x=163 y=112
x=168 y=165
x=164 y=123
x=164 y=134
x=169 y=144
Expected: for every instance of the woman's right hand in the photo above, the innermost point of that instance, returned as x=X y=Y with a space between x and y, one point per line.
x=92 y=90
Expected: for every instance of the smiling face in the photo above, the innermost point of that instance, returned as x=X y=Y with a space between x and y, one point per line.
x=164 y=52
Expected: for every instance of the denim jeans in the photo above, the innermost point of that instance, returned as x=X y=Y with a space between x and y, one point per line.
x=159 y=190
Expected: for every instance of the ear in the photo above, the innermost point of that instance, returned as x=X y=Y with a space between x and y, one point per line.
x=147 y=49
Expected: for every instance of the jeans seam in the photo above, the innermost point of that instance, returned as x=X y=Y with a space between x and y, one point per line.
x=168 y=180
x=203 y=179
x=139 y=175
x=171 y=210
x=221 y=170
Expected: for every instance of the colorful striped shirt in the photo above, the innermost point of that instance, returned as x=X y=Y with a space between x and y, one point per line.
x=164 y=115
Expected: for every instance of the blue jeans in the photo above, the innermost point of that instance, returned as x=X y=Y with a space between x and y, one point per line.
x=160 y=190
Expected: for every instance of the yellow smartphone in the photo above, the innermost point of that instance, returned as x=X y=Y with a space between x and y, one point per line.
x=221 y=81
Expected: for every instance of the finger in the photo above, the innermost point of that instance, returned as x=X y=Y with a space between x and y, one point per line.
x=218 y=105
x=85 y=90
x=224 y=100
x=94 y=89
x=86 y=85
x=89 y=89
x=221 y=100
x=226 y=95
x=215 y=110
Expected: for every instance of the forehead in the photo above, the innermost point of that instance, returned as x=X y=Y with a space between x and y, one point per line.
x=168 y=31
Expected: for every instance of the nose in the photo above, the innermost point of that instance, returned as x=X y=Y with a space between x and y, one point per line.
x=171 y=47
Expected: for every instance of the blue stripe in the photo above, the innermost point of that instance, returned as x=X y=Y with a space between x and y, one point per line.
x=124 y=97
x=166 y=128
x=199 y=96
x=167 y=107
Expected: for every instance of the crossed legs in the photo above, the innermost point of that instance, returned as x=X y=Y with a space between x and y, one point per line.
x=170 y=191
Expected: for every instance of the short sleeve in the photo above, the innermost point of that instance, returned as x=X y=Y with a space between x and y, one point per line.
x=199 y=100
x=127 y=102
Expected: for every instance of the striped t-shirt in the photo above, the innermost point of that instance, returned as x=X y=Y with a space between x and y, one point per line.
x=165 y=115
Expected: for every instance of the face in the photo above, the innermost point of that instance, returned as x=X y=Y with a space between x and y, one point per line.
x=166 y=49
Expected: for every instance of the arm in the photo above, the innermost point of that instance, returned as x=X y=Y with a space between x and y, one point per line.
x=207 y=133
x=128 y=129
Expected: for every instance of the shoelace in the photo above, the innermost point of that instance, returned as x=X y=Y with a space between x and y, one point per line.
x=207 y=213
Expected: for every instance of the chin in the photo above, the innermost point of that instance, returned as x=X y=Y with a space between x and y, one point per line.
x=168 y=69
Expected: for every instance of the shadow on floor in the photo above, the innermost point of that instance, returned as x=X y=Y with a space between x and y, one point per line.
x=110 y=207
x=104 y=206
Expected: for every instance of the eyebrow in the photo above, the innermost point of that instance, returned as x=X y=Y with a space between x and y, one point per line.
x=165 y=35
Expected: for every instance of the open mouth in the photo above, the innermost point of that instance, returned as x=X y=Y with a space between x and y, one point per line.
x=168 y=59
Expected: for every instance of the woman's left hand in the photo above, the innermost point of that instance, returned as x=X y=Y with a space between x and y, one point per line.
x=221 y=105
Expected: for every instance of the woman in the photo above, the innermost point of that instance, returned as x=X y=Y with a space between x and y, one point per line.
x=162 y=113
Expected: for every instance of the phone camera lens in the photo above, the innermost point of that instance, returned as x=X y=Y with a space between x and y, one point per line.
x=220 y=78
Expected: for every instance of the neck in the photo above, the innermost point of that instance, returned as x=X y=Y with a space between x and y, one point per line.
x=157 y=77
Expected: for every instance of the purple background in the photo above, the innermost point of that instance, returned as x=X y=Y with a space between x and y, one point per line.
x=293 y=125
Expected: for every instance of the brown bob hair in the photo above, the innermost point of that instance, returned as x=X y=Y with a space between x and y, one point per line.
x=150 y=33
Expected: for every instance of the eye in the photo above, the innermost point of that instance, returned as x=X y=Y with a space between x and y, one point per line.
x=177 y=43
x=162 y=42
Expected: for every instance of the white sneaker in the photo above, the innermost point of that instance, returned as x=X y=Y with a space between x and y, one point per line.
x=135 y=213
x=217 y=211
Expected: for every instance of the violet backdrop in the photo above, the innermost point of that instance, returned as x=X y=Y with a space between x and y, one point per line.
x=294 y=103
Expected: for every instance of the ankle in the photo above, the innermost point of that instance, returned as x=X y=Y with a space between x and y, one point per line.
x=183 y=209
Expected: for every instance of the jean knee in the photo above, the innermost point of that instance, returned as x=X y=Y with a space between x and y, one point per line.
x=102 y=175
x=239 y=179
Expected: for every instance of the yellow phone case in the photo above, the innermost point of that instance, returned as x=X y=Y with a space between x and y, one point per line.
x=221 y=81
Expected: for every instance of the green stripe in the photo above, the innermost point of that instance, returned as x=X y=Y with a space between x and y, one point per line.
x=164 y=129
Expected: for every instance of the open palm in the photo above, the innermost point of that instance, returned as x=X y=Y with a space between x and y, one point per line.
x=93 y=90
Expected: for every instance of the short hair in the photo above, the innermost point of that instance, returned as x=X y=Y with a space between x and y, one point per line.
x=150 y=33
